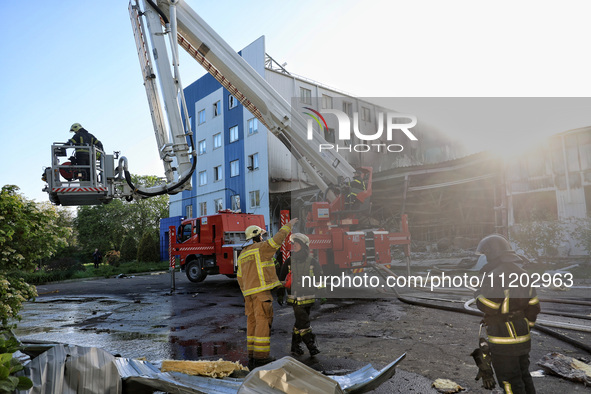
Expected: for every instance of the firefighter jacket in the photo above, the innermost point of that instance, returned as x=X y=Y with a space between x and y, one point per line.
x=356 y=186
x=302 y=291
x=510 y=309
x=256 y=269
x=83 y=137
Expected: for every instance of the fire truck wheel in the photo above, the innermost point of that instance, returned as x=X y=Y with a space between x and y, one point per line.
x=195 y=271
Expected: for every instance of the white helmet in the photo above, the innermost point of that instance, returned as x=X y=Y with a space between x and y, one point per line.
x=253 y=231
x=300 y=237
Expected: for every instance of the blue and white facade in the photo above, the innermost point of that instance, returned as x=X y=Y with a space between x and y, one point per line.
x=232 y=162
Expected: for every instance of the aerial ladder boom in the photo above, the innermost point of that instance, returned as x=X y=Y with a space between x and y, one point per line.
x=255 y=93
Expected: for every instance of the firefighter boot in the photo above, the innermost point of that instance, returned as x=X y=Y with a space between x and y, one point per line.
x=310 y=340
x=296 y=340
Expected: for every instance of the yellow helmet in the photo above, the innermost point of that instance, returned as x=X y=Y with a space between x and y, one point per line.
x=300 y=237
x=253 y=231
x=75 y=127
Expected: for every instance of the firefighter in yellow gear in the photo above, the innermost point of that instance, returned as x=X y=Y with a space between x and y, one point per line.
x=82 y=139
x=257 y=277
x=301 y=293
x=510 y=310
x=355 y=186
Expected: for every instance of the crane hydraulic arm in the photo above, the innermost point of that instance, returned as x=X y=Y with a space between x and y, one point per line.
x=159 y=27
x=253 y=91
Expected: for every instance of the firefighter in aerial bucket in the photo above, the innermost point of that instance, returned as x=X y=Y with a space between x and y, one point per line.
x=510 y=311
x=301 y=292
x=257 y=277
x=83 y=140
x=355 y=186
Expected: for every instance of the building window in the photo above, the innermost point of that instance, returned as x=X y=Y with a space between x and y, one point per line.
x=234 y=168
x=305 y=96
x=232 y=102
x=202 y=208
x=217 y=173
x=253 y=126
x=233 y=133
x=202 y=178
x=365 y=114
x=202 y=147
x=326 y=102
x=348 y=108
x=255 y=199
x=253 y=162
x=216 y=109
x=189 y=211
x=218 y=204
x=201 y=116
x=236 y=202
x=217 y=140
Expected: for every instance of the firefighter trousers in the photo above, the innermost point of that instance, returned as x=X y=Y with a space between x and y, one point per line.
x=259 y=317
x=513 y=373
x=302 y=316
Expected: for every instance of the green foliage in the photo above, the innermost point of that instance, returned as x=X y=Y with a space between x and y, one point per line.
x=539 y=238
x=29 y=233
x=105 y=226
x=101 y=226
x=13 y=292
x=148 y=248
x=581 y=233
x=112 y=257
x=9 y=366
x=129 y=248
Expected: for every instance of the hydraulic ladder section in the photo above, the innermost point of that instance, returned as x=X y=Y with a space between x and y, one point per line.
x=174 y=151
x=244 y=83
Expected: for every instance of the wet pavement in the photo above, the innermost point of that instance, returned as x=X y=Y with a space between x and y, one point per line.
x=138 y=316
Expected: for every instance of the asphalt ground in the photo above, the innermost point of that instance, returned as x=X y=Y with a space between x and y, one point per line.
x=139 y=316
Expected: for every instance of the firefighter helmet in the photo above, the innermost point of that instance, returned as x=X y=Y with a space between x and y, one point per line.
x=493 y=246
x=303 y=239
x=253 y=231
x=75 y=127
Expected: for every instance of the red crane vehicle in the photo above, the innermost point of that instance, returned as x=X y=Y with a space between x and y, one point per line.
x=210 y=245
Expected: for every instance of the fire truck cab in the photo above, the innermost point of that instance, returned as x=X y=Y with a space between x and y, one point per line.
x=210 y=245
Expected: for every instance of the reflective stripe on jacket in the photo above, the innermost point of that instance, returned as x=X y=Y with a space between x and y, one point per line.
x=509 y=312
x=298 y=294
x=256 y=269
x=83 y=137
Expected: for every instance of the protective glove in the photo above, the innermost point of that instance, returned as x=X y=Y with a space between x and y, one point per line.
x=280 y=300
x=485 y=370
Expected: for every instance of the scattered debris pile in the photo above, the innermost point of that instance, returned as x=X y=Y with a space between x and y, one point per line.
x=566 y=367
x=66 y=369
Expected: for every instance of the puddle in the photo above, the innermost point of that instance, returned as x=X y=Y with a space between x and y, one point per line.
x=133 y=330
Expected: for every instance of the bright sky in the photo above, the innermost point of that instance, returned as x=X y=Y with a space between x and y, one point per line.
x=75 y=61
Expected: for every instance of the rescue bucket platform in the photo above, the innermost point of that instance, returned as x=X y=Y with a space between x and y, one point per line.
x=72 y=181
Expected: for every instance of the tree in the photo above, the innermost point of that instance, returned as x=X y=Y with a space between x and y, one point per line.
x=145 y=214
x=129 y=248
x=106 y=226
x=148 y=248
x=29 y=233
x=101 y=226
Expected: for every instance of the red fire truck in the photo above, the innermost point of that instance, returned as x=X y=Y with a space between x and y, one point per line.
x=210 y=245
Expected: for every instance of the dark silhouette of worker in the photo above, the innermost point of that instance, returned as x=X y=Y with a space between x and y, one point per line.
x=83 y=139
x=97 y=257
x=356 y=186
